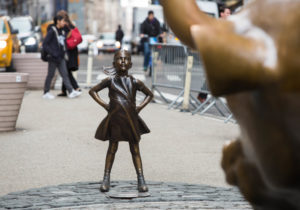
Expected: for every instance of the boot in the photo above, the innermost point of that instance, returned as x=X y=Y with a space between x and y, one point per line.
x=142 y=186
x=106 y=182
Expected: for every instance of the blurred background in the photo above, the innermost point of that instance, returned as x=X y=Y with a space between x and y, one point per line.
x=23 y=24
x=94 y=17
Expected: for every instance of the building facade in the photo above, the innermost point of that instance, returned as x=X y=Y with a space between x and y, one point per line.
x=90 y=16
x=102 y=15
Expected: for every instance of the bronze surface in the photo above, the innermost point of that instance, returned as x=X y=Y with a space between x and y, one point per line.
x=122 y=122
x=253 y=59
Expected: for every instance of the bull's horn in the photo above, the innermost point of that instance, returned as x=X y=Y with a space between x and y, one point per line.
x=181 y=15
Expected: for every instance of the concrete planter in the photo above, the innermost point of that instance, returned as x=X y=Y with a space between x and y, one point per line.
x=32 y=64
x=12 y=88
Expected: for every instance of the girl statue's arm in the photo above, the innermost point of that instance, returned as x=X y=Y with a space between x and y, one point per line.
x=94 y=93
x=149 y=95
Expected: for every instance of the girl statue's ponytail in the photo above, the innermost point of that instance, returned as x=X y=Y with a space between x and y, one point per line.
x=110 y=70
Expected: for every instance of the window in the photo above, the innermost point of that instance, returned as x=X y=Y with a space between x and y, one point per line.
x=3 y=29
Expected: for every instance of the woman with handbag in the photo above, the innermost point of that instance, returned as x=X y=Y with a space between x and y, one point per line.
x=54 y=46
x=73 y=39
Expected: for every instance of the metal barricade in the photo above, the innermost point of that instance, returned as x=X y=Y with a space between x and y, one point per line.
x=198 y=79
x=168 y=66
x=199 y=85
x=198 y=82
x=181 y=69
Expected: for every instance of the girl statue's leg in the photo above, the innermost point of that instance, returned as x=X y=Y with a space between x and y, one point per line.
x=137 y=161
x=110 y=157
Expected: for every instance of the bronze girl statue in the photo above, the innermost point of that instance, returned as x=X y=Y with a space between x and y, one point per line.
x=122 y=122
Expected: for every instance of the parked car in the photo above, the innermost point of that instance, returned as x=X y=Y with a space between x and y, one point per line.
x=108 y=43
x=28 y=34
x=9 y=43
x=86 y=40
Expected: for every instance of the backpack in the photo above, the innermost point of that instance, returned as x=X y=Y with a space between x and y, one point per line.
x=74 y=39
x=44 y=55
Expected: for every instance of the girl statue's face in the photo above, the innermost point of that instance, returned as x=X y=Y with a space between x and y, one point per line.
x=122 y=61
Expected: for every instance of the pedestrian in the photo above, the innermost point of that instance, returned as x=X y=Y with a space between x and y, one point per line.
x=122 y=122
x=150 y=30
x=225 y=12
x=72 y=51
x=119 y=34
x=54 y=46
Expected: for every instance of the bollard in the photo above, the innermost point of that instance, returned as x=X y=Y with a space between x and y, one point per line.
x=154 y=62
x=153 y=78
x=22 y=49
x=187 y=86
x=89 y=66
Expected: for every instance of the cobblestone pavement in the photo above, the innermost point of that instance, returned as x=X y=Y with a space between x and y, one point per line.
x=86 y=195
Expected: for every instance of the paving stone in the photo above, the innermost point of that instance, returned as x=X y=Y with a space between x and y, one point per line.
x=162 y=196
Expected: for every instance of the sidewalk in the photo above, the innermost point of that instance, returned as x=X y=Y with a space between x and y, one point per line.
x=54 y=144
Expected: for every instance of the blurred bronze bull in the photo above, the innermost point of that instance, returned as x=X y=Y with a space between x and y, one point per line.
x=253 y=59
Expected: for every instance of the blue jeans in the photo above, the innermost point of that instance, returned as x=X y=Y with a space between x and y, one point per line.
x=147 y=55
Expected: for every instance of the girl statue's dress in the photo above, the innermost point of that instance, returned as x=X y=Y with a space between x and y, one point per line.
x=122 y=122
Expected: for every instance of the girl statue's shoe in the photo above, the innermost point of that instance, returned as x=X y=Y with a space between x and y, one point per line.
x=142 y=186
x=106 y=183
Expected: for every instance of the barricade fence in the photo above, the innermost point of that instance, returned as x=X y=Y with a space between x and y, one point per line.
x=198 y=82
x=181 y=70
x=167 y=71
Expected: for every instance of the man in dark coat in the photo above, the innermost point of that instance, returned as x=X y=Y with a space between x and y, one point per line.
x=150 y=28
x=119 y=34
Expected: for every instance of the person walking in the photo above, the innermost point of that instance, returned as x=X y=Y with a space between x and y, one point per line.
x=54 y=46
x=119 y=34
x=150 y=30
x=72 y=51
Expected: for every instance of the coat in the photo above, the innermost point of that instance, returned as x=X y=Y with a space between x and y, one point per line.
x=52 y=47
x=151 y=28
x=72 y=63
